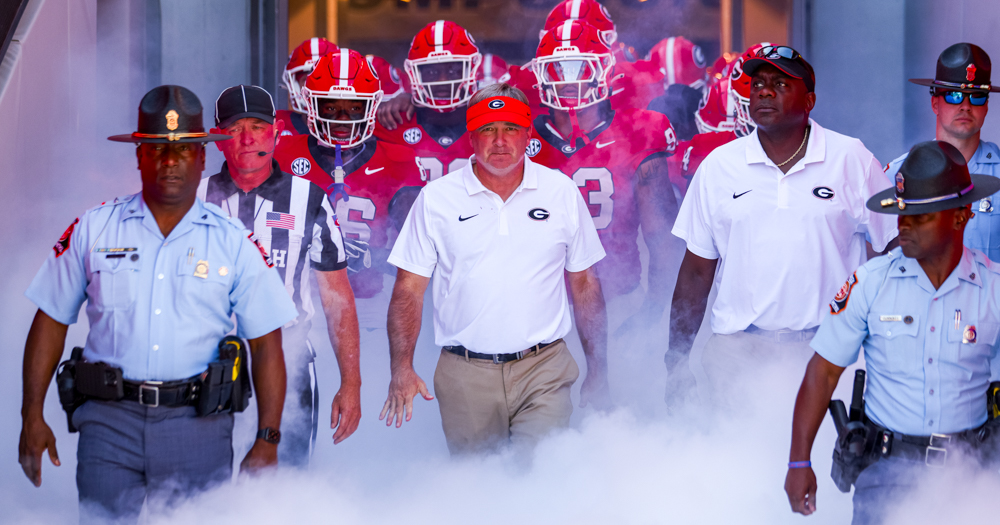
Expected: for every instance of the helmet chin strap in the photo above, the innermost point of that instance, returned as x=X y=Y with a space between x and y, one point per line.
x=577 y=132
x=338 y=189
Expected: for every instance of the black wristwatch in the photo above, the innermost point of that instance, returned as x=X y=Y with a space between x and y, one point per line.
x=270 y=435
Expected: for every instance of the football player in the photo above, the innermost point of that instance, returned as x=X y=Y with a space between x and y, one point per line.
x=680 y=66
x=301 y=62
x=618 y=158
x=370 y=183
x=442 y=66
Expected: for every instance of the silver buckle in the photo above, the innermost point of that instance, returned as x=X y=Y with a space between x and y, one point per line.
x=939 y=452
x=156 y=394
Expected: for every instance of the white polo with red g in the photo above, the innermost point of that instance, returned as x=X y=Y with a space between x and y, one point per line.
x=498 y=267
x=787 y=241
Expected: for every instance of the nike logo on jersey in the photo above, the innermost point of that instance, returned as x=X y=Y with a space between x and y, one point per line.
x=735 y=196
x=463 y=219
x=600 y=145
x=370 y=171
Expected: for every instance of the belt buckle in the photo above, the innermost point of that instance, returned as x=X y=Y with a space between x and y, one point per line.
x=156 y=394
x=939 y=452
x=496 y=359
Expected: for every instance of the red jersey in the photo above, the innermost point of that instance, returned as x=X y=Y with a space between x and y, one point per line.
x=295 y=123
x=691 y=153
x=604 y=170
x=641 y=83
x=382 y=181
x=440 y=149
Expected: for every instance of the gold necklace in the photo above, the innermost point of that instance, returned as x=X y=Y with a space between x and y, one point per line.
x=804 y=137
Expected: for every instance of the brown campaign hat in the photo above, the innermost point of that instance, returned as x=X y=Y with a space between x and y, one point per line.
x=170 y=114
x=933 y=177
x=961 y=67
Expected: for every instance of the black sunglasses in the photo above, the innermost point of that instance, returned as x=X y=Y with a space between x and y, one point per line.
x=778 y=52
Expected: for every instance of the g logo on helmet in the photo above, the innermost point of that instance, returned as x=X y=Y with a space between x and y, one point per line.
x=495 y=104
x=301 y=166
x=534 y=146
x=699 y=56
x=539 y=214
x=737 y=69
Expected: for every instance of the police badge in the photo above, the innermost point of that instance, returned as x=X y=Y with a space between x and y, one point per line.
x=969 y=335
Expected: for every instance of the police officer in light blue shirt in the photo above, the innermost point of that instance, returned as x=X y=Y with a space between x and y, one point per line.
x=162 y=274
x=960 y=100
x=927 y=316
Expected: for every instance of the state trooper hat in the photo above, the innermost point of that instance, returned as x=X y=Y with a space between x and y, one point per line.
x=169 y=114
x=933 y=177
x=961 y=67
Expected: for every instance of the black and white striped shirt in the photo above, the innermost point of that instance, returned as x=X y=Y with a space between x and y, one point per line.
x=292 y=220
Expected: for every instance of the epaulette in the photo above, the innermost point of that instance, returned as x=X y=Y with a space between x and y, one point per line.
x=985 y=261
x=223 y=217
x=897 y=162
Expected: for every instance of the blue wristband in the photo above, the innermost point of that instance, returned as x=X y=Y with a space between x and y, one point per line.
x=799 y=464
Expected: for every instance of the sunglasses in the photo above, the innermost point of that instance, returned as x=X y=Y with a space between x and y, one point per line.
x=956 y=97
x=778 y=52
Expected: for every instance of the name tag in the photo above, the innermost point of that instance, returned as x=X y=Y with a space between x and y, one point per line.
x=889 y=318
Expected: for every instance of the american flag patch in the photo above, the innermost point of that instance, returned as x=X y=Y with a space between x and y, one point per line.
x=279 y=220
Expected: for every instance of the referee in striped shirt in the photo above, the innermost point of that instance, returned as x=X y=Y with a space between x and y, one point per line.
x=295 y=224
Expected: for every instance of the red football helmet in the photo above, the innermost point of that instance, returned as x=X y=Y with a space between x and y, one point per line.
x=388 y=75
x=588 y=11
x=344 y=75
x=493 y=70
x=717 y=110
x=442 y=65
x=741 y=86
x=681 y=61
x=573 y=64
x=301 y=62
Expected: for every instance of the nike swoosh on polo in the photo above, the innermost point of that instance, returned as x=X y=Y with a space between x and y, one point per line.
x=462 y=219
x=600 y=145
x=735 y=196
x=370 y=171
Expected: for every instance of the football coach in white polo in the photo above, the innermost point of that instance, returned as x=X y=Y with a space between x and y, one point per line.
x=498 y=237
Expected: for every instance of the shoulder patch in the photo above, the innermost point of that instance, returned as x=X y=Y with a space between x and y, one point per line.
x=263 y=253
x=840 y=301
x=63 y=243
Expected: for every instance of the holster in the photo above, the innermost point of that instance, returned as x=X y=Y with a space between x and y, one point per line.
x=855 y=439
x=225 y=386
x=69 y=398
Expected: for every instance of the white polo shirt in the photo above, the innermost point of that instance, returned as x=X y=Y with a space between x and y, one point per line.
x=498 y=267
x=787 y=242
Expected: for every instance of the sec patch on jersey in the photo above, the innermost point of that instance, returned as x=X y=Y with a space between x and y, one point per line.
x=301 y=166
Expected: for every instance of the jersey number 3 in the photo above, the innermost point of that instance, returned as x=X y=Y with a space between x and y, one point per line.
x=597 y=186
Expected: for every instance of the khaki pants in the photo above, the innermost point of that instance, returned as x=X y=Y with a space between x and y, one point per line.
x=485 y=406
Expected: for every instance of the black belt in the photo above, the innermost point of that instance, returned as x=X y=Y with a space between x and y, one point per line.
x=161 y=393
x=498 y=358
x=932 y=450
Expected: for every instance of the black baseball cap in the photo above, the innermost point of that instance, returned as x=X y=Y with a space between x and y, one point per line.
x=786 y=59
x=243 y=101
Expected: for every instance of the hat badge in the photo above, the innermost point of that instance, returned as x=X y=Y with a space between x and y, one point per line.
x=899 y=183
x=970 y=72
x=172 y=120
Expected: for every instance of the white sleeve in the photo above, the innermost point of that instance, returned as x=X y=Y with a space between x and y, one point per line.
x=881 y=227
x=584 y=248
x=414 y=250
x=694 y=221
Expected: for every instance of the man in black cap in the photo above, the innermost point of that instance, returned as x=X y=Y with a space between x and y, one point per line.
x=162 y=274
x=294 y=222
x=926 y=315
x=764 y=207
x=960 y=100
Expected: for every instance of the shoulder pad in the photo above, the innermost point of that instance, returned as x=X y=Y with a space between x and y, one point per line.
x=395 y=152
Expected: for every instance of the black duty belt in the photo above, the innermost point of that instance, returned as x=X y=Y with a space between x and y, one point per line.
x=161 y=393
x=498 y=358
x=932 y=450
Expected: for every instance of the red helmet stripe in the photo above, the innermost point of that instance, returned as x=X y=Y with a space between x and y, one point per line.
x=574 y=9
x=439 y=35
x=314 y=47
